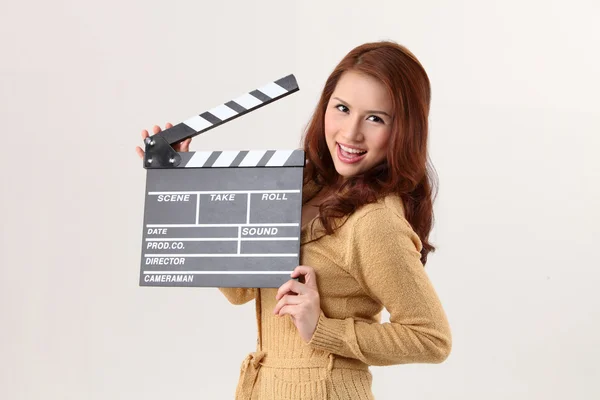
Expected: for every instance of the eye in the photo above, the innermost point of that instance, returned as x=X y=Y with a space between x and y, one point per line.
x=342 y=108
x=377 y=119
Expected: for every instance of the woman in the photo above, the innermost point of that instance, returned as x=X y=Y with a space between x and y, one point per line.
x=366 y=217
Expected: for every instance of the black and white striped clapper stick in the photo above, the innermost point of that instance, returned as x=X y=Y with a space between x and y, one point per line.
x=230 y=110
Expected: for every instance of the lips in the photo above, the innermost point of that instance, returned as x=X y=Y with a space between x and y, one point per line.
x=347 y=157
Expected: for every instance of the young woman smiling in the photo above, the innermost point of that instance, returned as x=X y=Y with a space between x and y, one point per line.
x=366 y=217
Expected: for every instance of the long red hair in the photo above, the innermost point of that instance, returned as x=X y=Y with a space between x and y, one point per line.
x=407 y=171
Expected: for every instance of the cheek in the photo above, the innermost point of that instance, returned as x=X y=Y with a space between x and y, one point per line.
x=330 y=126
x=380 y=143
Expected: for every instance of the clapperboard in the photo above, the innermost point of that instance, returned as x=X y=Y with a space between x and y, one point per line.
x=221 y=218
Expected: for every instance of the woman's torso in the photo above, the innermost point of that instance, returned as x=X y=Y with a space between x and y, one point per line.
x=290 y=368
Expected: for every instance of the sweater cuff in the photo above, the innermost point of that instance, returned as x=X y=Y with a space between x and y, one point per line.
x=328 y=334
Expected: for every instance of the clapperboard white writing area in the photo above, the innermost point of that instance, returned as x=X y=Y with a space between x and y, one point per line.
x=221 y=218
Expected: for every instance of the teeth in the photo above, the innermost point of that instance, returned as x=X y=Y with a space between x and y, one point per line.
x=349 y=150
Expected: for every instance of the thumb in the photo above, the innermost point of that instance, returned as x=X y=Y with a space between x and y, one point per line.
x=185 y=145
x=310 y=278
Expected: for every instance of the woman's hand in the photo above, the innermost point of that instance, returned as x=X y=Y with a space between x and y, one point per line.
x=182 y=146
x=301 y=301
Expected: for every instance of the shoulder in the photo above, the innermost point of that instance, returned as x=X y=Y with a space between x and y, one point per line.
x=386 y=208
x=383 y=220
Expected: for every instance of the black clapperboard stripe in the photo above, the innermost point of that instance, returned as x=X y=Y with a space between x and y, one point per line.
x=224 y=218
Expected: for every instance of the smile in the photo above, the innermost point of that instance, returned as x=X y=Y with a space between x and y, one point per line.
x=349 y=155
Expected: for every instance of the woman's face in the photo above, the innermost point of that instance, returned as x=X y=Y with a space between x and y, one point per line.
x=358 y=123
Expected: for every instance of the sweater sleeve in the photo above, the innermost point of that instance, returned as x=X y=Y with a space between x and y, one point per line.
x=384 y=258
x=238 y=296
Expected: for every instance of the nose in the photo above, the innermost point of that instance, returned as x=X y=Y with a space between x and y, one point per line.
x=352 y=130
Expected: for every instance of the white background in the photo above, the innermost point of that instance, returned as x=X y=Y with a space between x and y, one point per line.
x=514 y=137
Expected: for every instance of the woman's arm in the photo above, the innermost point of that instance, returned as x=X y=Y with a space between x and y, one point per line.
x=238 y=296
x=384 y=258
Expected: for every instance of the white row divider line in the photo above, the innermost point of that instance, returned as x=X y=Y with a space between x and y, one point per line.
x=227 y=192
x=222 y=255
x=219 y=239
x=216 y=272
x=217 y=225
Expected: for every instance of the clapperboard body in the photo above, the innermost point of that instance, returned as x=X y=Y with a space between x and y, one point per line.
x=221 y=218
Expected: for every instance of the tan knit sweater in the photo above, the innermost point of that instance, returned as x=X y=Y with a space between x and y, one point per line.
x=371 y=262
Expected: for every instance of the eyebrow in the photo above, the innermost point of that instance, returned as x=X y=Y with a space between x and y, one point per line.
x=368 y=111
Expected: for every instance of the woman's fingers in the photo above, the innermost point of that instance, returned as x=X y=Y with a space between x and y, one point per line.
x=309 y=276
x=290 y=286
x=139 y=151
x=183 y=146
x=286 y=301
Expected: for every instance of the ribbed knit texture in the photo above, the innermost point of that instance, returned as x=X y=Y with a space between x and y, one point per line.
x=372 y=261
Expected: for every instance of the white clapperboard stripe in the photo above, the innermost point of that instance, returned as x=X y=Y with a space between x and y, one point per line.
x=232 y=109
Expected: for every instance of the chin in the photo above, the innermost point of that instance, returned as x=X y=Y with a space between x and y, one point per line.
x=346 y=172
